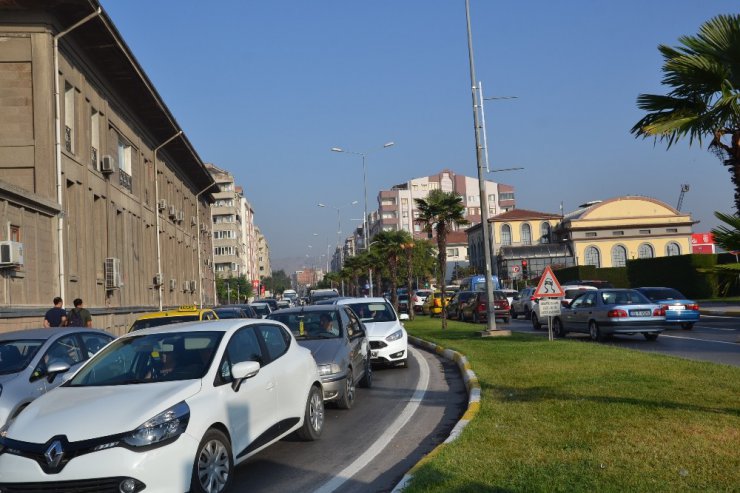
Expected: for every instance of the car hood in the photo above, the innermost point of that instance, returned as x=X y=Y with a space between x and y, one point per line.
x=382 y=329
x=81 y=413
x=323 y=351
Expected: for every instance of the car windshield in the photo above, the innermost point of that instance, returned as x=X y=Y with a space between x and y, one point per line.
x=159 y=321
x=658 y=294
x=16 y=355
x=150 y=358
x=261 y=309
x=311 y=325
x=627 y=297
x=229 y=313
x=374 y=312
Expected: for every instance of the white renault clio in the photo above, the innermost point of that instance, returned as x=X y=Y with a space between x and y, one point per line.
x=385 y=333
x=166 y=409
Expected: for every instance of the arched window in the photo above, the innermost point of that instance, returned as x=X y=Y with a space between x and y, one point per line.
x=619 y=256
x=526 y=234
x=672 y=249
x=506 y=234
x=592 y=257
x=545 y=233
x=645 y=251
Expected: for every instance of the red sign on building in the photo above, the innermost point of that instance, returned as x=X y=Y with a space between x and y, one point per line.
x=702 y=243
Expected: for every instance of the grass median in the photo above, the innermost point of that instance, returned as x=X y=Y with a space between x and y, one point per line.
x=571 y=415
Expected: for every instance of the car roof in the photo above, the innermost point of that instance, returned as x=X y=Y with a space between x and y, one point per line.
x=224 y=325
x=349 y=301
x=182 y=310
x=309 y=309
x=45 y=333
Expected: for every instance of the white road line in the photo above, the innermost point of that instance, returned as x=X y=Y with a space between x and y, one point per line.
x=702 y=340
x=384 y=439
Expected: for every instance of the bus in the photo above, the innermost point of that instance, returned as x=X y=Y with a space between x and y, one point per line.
x=478 y=283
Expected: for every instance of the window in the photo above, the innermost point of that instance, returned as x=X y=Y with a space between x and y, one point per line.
x=453 y=252
x=223 y=218
x=15 y=233
x=275 y=340
x=404 y=201
x=619 y=256
x=94 y=138
x=590 y=234
x=417 y=227
x=644 y=231
x=224 y=250
x=671 y=230
x=226 y=187
x=506 y=234
x=645 y=251
x=388 y=215
x=414 y=187
x=545 y=233
x=433 y=186
x=526 y=234
x=405 y=214
x=69 y=117
x=592 y=256
x=617 y=233
x=124 y=155
x=416 y=214
x=506 y=196
x=492 y=198
x=672 y=249
x=424 y=186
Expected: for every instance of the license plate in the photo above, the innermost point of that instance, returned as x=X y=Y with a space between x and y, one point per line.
x=676 y=307
x=373 y=354
x=640 y=313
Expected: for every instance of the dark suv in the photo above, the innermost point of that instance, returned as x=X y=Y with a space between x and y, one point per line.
x=454 y=307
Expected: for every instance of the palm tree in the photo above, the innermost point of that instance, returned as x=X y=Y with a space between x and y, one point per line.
x=389 y=244
x=704 y=101
x=727 y=236
x=440 y=212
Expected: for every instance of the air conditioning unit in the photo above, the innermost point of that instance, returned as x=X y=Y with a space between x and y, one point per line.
x=203 y=228
x=157 y=280
x=172 y=211
x=107 y=165
x=162 y=205
x=180 y=216
x=193 y=286
x=113 y=273
x=173 y=284
x=193 y=221
x=11 y=253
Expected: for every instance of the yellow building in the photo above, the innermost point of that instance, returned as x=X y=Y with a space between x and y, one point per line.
x=608 y=233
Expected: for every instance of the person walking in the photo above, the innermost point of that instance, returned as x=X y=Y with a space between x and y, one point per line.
x=56 y=316
x=79 y=316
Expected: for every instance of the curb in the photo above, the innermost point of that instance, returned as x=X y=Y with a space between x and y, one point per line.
x=471 y=383
x=721 y=313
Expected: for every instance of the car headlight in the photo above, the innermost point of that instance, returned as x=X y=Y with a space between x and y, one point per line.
x=164 y=426
x=329 y=369
x=395 y=336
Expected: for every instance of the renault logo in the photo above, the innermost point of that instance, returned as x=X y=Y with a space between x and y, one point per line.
x=54 y=454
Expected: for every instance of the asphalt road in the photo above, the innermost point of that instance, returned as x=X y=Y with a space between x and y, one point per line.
x=713 y=338
x=369 y=448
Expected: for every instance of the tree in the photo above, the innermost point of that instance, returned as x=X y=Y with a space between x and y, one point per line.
x=277 y=283
x=727 y=236
x=439 y=213
x=704 y=100
x=233 y=289
x=389 y=247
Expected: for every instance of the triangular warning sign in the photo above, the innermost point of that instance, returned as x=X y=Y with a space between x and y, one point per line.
x=549 y=287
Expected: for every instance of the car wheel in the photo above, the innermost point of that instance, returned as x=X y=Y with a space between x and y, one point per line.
x=513 y=313
x=214 y=464
x=527 y=313
x=557 y=328
x=367 y=378
x=348 y=397
x=650 y=337
x=594 y=332
x=313 y=419
x=687 y=325
x=535 y=321
x=506 y=320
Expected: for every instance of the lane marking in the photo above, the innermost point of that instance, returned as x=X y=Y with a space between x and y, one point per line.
x=701 y=340
x=377 y=447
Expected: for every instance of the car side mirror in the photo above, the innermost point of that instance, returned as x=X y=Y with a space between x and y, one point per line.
x=55 y=368
x=242 y=371
x=403 y=316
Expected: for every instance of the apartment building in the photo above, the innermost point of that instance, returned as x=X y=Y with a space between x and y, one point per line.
x=263 y=255
x=397 y=206
x=101 y=194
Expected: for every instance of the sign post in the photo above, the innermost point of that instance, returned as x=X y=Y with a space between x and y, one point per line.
x=548 y=290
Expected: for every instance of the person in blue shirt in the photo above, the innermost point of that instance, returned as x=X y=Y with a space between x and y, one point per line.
x=56 y=316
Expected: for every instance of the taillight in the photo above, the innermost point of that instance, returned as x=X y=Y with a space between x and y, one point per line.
x=617 y=314
x=693 y=306
x=482 y=307
x=659 y=312
x=416 y=299
x=532 y=298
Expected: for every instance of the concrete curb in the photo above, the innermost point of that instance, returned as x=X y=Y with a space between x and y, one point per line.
x=471 y=383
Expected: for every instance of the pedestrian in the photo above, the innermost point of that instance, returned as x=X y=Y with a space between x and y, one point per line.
x=56 y=316
x=79 y=316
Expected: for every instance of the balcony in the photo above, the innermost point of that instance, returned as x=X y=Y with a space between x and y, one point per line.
x=94 y=157
x=67 y=138
x=125 y=180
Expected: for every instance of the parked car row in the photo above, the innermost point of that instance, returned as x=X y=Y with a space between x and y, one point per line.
x=473 y=306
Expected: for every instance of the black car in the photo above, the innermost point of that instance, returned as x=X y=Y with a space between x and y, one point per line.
x=251 y=313
x=338 y=342
x=270 y=301
x=454 y=307
x=231 y=312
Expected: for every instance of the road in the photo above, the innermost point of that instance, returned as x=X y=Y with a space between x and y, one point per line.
x=713 y=338
x=359 y=451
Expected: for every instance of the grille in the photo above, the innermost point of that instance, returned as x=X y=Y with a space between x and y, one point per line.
x=100 y=485
x=377 y=344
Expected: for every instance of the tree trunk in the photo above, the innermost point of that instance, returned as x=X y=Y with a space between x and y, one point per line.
x=409 y=280
x=733 y=162
x=393 y=267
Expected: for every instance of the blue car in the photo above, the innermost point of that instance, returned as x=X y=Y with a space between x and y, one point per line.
x=678 y=309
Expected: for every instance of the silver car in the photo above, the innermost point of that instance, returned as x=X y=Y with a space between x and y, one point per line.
x=32 y=361
x=605 y=312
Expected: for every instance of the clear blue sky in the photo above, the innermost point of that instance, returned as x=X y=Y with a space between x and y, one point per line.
x=266 y=88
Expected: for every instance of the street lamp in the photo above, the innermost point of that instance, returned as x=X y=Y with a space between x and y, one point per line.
x=339 y=230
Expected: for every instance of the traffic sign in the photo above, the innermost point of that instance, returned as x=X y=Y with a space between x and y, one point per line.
x=515 y=269
x=548 y=287
x=549 y=308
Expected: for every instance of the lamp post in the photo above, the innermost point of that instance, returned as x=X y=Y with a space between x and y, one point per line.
x=339 y=231
x=364 y=186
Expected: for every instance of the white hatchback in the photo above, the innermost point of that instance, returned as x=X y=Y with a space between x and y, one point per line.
x=166 y=409
x=385 y=333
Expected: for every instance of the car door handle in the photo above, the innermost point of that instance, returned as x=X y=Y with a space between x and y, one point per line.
x=270 y=386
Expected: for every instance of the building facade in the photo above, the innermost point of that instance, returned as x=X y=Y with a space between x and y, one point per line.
x=263 y=255
x=99 y=187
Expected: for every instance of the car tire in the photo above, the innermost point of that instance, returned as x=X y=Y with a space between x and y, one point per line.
x=313 y=418
x=687 y=325
x=527 y=313
x=594 y=332
x=557 y=328
x=348 y=396
x=214 y=465
x=535 y=321
x=506 y=320
x=367 y=377
x=513 y=313
x=650 y=337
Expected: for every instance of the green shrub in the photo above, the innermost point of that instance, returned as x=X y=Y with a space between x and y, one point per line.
x=691 y=274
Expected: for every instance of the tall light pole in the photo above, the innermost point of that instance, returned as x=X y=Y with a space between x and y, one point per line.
x=339 y=231
x=364 y=186
x=492 y=238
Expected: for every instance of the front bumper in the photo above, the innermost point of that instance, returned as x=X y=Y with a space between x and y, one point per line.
x=334 y=386
x=163 y=469
x=382 y=351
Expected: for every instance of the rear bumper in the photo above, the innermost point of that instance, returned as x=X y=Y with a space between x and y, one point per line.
x=647 y=327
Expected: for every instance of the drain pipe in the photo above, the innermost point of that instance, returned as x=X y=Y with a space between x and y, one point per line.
x=58 y=146
x=156 y=212
x=197 y=231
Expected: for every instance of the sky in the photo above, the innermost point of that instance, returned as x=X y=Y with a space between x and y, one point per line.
x=265 y=89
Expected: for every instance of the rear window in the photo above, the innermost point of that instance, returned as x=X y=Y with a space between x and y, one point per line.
x=662 y=294
x=158 y=322
x=572 y=293
x=623 y=297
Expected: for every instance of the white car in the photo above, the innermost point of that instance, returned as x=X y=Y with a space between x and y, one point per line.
x=387 y=336
x=166 y=409
x=570 y=291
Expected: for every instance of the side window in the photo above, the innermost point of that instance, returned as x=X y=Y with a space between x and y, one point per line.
x=208 y=316
x=346 y=321
x=590 y=299
x=92 y=343
x=274 y=340
x=350 y=322
x=354 y=323
x=64 y=350
x=243 y=346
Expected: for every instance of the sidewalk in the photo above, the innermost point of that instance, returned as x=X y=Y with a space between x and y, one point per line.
x=720 y=308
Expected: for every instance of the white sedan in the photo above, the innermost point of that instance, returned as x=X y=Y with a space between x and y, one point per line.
x=166 y=409
x=387 y=336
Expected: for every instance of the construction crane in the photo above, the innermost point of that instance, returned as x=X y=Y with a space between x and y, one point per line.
x=684 y=189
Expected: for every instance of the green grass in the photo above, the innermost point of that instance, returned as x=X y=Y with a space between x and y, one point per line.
x=575 y=416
